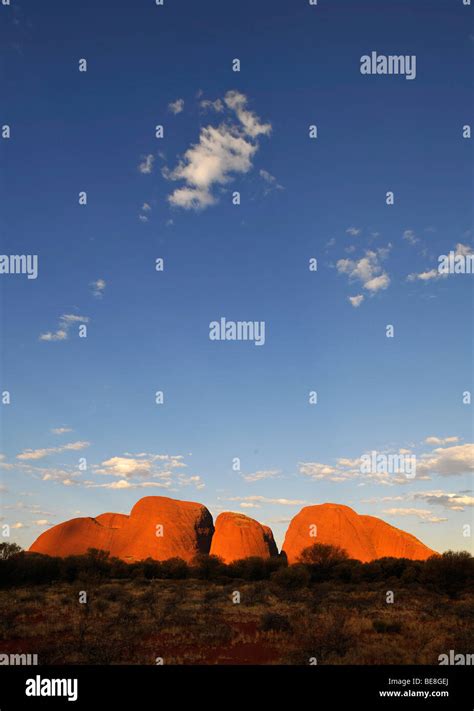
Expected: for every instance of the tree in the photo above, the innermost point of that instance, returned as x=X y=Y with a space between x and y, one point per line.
x=7 y=550
x=322 y=558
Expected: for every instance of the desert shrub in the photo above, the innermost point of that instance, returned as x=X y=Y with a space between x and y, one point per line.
x=208 y=567
x=113 y=592
x=347 y=571
x=254 y=568
x=326 y=638
x=175 y=569
x=258 y=593
x=389 y=627
x=293 y=577
x=274 y=622
x=451 y=573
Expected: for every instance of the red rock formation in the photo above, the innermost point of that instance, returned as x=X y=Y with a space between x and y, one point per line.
x=158 y=527
x=363 y=537
x=238 y=536
x=162 y=528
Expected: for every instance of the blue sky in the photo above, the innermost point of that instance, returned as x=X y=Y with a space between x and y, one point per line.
x=301 y=198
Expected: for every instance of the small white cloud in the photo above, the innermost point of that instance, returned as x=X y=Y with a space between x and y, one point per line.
x=441 y=440
x=98 y=287
x=146 y=166
x=176 y=106
x=261 y=474
x=425 y=515
x=368 y=270
x=65 y=323
x=45 y=452
x=410 y=237
x=216 y=105
x=61 y=430
x=271 y=181
x=356 y=300
x=353 y=231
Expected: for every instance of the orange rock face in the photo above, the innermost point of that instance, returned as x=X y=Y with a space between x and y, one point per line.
x=162 y=528
x=158 y=527
x=363 y=537
x=238 y=536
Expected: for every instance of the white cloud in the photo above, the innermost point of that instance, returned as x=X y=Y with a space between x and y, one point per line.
x=125 y=484
x=261 y=474
x=28 y=454
x=410 y=237
x=166 y=468
x=356 y=300
x=377 y=283
x=448 y=461
x=266 y=500
x=221 y=153
x=426 y=276
x=353 y=231
x=98 y=287
x=61 y=430
x=154 y=465
x=65 y=323
x=367 y=270
x=451 y=501
x=434 y=274
x=176 y=106
x=250 y=121
x=217 y=105
x=146 y=166
x=425 y=515
x=271 y=181
x=441 y=440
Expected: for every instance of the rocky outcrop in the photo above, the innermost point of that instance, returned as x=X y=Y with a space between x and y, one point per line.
x=238 y=536
x=157 y=527
x=363 y=537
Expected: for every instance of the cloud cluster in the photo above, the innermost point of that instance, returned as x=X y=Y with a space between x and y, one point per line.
x=176 y=106
x=367 y=270
x=221 y=153
x=66 y=321
x=444 y=461
x=28 y=454
x=461 y=250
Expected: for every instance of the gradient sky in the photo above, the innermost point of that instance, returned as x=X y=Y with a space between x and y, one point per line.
x=94 y=131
